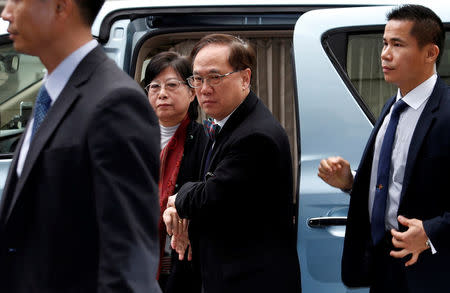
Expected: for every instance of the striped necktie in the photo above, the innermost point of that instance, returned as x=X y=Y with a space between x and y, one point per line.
x=42 y=105
x=211 y=128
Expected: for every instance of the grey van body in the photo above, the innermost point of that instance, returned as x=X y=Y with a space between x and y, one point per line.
x=318 y=72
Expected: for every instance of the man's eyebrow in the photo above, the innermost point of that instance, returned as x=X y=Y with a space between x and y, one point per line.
x=209 y=72
x=394 y=40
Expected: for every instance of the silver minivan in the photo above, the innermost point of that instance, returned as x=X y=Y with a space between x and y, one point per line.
x=318 y=71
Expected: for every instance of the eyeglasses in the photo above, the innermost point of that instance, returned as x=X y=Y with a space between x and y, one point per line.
x=212 y=79
x=169 y=85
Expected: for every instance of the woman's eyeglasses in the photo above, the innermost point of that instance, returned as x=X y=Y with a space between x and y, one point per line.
x=170 y=85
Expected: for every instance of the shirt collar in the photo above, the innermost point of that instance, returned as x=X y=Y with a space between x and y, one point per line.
x=222 y=122
x=57 y=80
x=419 y=94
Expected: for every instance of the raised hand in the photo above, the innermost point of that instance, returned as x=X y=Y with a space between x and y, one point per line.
x=336 y=172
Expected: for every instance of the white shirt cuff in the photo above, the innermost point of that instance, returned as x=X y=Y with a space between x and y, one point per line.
x=433 y=250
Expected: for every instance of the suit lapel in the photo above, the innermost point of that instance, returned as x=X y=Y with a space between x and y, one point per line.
x=367 y=156
x=55 y=115
x=423 y=125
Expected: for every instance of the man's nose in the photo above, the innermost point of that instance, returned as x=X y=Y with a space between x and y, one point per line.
x=385 y=52
x=205 y=86
x=7 y=12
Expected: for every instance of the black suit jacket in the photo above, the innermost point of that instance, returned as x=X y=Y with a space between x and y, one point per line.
x=241 y=215
x=83 y=215
x=425 y=196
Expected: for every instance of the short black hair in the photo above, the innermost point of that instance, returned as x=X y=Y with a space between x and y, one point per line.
x=180 y=64
x=427 y=27
x=89 y=9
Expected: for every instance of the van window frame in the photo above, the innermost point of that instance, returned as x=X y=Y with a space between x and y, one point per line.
x=134 y=13
x=335 y=44
x=338 y=38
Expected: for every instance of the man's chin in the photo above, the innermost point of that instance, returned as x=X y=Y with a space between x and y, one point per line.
x=16 y=45
x=389 y=78
x=22 y=49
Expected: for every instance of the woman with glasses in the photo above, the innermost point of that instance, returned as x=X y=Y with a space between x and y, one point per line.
x=182 y=143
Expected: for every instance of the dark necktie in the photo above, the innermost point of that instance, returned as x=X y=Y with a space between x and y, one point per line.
x=212 y=129
x=42 y=106
x=383 y=174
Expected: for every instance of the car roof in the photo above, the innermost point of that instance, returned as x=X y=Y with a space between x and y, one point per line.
x=112 y=6
x=116 y=5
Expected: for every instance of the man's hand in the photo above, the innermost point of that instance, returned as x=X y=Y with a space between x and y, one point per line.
x=180 y=243
x=336 y=172
x=171 y=200
x=174 y=225
x=412 y=241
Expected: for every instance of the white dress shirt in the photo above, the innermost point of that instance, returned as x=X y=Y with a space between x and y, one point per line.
x=416 y=100
x=222 y=122
x=55 y=83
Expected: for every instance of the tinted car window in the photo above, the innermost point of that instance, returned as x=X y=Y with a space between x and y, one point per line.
x=363 y=67
x=20 y=77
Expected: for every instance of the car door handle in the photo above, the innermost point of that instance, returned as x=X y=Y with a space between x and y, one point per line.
x=327 y=221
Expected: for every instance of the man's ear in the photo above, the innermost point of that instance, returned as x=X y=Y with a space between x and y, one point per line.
x=246 y=75
x=64 y=7
x=432 y=53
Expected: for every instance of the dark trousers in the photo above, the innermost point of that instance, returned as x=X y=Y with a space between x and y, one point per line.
x=183 y=278
x=389 y=272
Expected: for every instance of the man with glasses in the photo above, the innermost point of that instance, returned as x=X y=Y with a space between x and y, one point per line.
x=241 y=227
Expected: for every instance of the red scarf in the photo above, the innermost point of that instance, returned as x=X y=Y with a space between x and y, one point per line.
x=170 y=158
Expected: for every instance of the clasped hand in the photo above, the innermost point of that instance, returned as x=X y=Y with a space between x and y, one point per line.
x=178 y=229
x=412 y=241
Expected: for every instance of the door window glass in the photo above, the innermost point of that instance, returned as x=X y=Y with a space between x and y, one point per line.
x=364 y=69
x=20 y=78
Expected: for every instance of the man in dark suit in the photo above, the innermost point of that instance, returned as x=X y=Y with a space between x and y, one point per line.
x=80 y=208
x=401 y=242
x=241 y=213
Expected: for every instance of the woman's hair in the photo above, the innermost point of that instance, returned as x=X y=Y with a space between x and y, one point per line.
x=180 y=64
